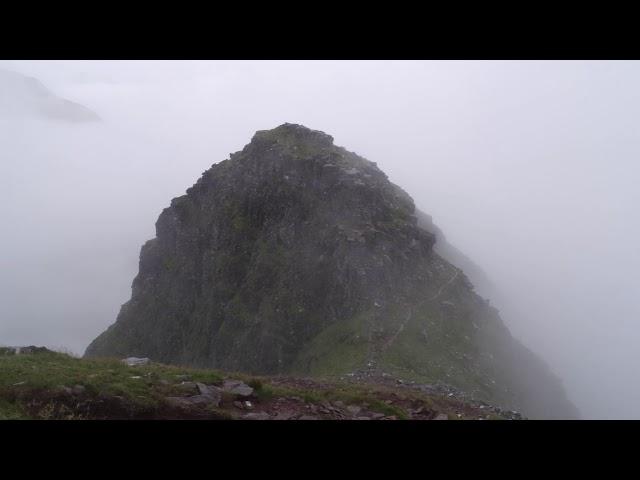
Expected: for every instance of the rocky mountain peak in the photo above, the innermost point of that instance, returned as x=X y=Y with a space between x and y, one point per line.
x=297 y=256
x=292 y=134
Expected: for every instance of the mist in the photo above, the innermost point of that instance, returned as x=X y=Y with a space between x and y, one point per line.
x=530 y=168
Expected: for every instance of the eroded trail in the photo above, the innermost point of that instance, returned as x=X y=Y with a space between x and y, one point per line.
x=444 y=287
x=409 y=316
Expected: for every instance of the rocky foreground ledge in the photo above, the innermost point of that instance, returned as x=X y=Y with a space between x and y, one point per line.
x=36 y=383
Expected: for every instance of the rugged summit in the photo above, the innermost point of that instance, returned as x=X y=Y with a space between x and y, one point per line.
x=297 y=256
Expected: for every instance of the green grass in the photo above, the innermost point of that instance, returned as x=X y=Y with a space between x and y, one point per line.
x=31 y=387
x=288 y=141
x=447 y=354
x=349 y=394
x=30 y=376
x=10 y=411
x=340 y=348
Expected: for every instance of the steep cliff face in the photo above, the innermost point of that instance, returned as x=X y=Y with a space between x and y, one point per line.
x=298 y=256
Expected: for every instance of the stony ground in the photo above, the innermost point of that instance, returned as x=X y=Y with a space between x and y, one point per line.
x=48 y=385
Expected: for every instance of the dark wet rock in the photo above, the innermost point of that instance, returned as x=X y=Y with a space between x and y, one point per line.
x=308 y=417
x=187 y=388
x=211 y=392
x=238 y=388
x=285 y=415
x=197 y=394
x=193 y=401
x=179 y=401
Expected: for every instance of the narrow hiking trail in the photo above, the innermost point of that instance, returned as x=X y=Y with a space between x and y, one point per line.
x=443 y=287
x=376 y=350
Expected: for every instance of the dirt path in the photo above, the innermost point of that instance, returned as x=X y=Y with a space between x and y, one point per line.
x=443 y=287
x=402 y=326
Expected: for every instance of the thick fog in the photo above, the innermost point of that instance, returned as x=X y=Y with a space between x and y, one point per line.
x=530 y=168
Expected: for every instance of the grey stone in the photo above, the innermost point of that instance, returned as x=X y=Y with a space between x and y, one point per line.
x=354 y=409
x=237 y=388
x=195 y=400
x=78 y=389
x=285 y=415
x=189 y=388
x=135 y=361
x=210 y=392
x=256 y=416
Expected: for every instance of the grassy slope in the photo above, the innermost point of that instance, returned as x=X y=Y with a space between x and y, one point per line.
x=29 y=382
x=32 y=387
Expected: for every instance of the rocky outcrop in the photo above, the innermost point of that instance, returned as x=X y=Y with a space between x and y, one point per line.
x=298 y=256
x=29 y=350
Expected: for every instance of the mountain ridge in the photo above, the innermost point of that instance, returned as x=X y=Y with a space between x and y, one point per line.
x=24 y=95
x=297 y=256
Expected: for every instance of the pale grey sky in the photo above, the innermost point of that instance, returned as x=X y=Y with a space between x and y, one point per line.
x=530 y=168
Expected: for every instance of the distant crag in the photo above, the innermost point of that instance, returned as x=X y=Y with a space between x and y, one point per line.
x=26 y=96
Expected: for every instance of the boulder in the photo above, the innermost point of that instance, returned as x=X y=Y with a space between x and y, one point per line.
x=354 y=409
x=238 y=388
x=78 y=389
x=188 y=388
x=211 y=392
x=256 y=416
x=135 y=361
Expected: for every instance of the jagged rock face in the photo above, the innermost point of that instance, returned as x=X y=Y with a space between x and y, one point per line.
x=22 y=95
x=298 y=256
